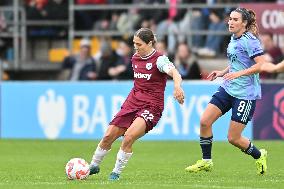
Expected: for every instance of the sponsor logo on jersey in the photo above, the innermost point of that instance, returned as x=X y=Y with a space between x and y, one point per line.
x=142 y=76
x=149 y=66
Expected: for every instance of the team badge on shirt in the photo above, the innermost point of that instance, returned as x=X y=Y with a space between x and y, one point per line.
x=148 y=66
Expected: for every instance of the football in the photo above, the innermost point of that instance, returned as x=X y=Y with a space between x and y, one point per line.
x=77 y=168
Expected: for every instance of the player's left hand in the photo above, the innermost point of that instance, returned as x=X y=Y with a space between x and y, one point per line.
x=179 y=95
x=231 y=76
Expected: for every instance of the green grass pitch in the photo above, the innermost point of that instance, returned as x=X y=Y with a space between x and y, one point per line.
x=155 y=164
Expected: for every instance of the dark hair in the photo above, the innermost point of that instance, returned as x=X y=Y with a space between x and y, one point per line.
x=250 y=16
x=146 y=35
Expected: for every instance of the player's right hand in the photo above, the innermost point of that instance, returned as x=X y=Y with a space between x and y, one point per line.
x=213 y=75
x=179 y=95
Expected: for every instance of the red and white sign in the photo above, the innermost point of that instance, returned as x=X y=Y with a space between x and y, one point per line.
x=270 y=16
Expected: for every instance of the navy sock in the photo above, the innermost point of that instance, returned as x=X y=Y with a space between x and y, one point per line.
x=206 y=146
x=253 y=151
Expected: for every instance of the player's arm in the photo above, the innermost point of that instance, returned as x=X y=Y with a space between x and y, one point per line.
x=216 y=73
x=178 y=92
x=272 y=68
x=280 y=67
x=256 y=68
x=254 y=50
x=166 y=66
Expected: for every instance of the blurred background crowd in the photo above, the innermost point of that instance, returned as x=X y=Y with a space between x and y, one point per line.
x=48 y=40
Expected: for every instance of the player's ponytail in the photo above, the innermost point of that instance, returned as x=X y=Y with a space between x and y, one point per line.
x=252 y=25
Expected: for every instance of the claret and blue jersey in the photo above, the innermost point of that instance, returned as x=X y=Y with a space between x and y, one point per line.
x=241 y=53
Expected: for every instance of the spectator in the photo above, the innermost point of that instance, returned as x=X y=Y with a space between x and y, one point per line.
x=85 y=19
x=128 y=21
x=5 y=43
x=186 y=63
x=195 y=19
x=47 y=10
x=35 y=9
x=3 y=24
x=81 y=66
x=108 y=59
x=123 y=71
x=272 y=53
x=161 y=47
x=5 y=76
x=107 y=24
x=175 y=26
x=6 y=16
x=156 y=15
x=214 y=42
x=57 y=10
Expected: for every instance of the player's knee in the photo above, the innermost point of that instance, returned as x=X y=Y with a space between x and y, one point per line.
x=204 y=123
x=107 y=140
x=128 y=140
x=233 y=139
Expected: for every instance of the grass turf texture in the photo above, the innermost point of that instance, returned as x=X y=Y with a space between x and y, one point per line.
x=160 y=164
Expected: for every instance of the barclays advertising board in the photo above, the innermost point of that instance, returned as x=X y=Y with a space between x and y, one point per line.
x=82 y=110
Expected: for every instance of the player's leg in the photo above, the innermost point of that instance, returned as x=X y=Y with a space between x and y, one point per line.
x=113 y=132
x=134 y=132
x=210 y=115
x=243 y=143
x=235 y=136
x=242 y=112
x=218 y=106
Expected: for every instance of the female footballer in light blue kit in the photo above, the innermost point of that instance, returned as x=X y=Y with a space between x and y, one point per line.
x=239 y=91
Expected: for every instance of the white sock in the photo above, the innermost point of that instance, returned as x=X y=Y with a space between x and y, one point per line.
x=121 y=161
x=98 y=156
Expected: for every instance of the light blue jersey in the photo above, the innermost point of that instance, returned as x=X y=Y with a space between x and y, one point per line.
x=241 y=52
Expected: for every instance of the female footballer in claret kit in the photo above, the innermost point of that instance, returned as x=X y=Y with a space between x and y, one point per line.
x=143 y=107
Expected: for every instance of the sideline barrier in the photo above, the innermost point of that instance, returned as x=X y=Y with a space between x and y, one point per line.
x=82 y=110
x=269 y=114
